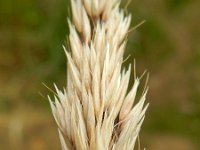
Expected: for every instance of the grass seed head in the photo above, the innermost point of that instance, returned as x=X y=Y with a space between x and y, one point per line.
x=96 y=111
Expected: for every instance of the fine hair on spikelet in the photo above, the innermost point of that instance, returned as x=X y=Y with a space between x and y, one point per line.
x=96 y=111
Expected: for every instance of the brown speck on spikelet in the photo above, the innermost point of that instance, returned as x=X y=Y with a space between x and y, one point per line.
x=95 y=111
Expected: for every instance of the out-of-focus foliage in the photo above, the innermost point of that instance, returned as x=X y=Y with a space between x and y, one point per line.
x=168 y=45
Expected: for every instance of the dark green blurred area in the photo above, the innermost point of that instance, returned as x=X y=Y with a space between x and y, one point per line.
x=32 y=33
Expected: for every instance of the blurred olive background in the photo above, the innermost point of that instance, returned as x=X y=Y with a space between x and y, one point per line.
x=167 y=45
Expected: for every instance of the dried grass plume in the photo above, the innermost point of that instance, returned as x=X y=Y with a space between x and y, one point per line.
x=95 y=111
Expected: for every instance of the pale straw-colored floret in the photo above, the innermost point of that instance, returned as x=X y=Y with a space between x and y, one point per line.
x=95 y=111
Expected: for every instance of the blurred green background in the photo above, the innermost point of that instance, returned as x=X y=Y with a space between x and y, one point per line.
x=167 y=45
